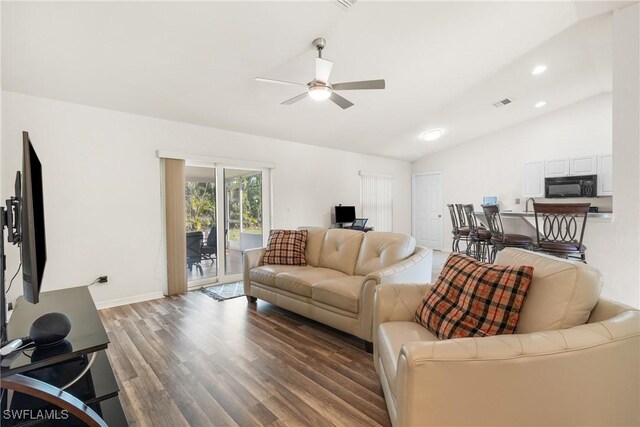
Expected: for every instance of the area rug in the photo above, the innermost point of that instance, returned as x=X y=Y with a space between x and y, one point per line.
x=224 y=292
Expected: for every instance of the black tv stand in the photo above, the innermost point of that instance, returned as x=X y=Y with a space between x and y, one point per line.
x=80 y=362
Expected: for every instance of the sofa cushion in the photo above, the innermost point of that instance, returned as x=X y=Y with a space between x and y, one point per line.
x=286 y=247
x=343 y=292
x=474 y=299
x=300 y=281
x=340 y=250
x=391 y=336
x=379 y=250
x=561 y=295
x=266 y=274
x=315 y=238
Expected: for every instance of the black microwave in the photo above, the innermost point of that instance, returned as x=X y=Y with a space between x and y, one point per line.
x=571 y=186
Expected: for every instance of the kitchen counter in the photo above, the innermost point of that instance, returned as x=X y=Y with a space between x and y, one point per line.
x=509 y=218
x=595 y=216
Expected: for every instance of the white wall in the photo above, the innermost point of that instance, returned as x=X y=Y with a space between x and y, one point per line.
x=492 y=165
x=102 y=188
x=624 y=238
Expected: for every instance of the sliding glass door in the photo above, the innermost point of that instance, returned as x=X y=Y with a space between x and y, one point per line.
x=243 y=215
x=201 y=223
x=227 y=212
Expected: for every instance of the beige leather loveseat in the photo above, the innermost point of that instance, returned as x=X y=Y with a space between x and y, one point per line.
x=549 y=373
x=337 y=285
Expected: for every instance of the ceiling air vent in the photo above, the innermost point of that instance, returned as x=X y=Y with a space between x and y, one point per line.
x=347 y=3
x=502 y=103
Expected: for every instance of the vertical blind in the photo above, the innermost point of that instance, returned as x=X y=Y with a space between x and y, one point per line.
x=376 y=199
x=175 y=223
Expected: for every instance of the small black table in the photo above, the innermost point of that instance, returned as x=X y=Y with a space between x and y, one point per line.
x=38 y=374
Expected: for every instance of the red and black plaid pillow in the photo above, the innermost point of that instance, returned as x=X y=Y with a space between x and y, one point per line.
x=471 y=298
x=286 y=247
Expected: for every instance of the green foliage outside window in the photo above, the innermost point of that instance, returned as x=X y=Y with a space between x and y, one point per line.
x=252 y=202
x=200 y=205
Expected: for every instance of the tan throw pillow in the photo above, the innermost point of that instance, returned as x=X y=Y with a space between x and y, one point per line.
x=474 y=299
x=286 y=247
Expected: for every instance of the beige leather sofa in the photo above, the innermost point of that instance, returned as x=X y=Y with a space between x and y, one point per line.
x=548 y=374
x=343 y=268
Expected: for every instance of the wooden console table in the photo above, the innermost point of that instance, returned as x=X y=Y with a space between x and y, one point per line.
x=36 y=375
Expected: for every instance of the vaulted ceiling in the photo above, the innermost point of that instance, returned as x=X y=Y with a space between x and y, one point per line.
x=445 y=64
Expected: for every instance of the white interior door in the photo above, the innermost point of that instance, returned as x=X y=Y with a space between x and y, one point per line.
x=427 y=210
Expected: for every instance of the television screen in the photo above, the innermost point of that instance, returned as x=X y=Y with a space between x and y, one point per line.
x=34 y=247
x=345 y=214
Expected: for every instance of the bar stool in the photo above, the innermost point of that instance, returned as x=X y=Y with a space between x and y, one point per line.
x=499 y=238
x=463 y=225
x=459 y=233
x=559 y=230
x=480 y=236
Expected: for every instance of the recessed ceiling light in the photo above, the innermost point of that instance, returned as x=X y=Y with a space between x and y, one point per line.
x=539 y=69
x=432 y=135
x=540 y=104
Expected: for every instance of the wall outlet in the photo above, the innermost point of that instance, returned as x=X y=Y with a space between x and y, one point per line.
x=517 y=201
x=103 y=279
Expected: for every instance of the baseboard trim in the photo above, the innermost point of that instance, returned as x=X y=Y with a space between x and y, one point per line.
x=128 y=300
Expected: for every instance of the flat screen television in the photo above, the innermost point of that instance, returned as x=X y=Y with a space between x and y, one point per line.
x=34 y=245
x=345 y=214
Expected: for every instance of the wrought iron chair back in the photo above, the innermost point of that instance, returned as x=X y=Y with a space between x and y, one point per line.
x=454 y=219
x=494 y=221
x=472 y=221
x=560 y=222
x=462 y=218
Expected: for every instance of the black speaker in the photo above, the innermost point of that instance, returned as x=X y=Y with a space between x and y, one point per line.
x=50 y=329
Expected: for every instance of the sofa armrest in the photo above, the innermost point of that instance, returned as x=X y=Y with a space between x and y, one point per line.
x=586 y=375
x=251 y=258
x=414 y=269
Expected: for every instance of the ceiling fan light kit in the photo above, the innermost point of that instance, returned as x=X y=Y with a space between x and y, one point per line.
x=320 y=89
x=319 y=92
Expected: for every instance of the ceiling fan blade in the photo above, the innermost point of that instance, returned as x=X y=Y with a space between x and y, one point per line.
x=365 y=84
x=295 y=99
x=281 y=82
x=323 y=69
x=342 y=102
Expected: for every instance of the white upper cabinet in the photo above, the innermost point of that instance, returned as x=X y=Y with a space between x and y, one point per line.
x=605 y=175
x=558 y=167
x=585 y=165
x=533 y=179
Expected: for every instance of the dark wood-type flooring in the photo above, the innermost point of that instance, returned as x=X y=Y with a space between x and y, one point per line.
x=190 y=360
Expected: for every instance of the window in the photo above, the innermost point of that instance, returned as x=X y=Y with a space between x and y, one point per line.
x=377 y=200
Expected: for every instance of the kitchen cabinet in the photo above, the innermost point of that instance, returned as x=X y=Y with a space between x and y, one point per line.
x=533 y=179
x=605 y=175
x=585 y=165
x=557 y=167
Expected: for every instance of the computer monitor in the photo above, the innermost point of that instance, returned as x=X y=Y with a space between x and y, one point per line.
x=34 y=245
x=345 y=214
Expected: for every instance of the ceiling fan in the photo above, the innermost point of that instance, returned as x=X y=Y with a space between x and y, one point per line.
x=320 y=88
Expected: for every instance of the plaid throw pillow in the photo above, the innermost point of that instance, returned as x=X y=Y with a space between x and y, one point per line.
x=474 y=299
x=286 y=247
